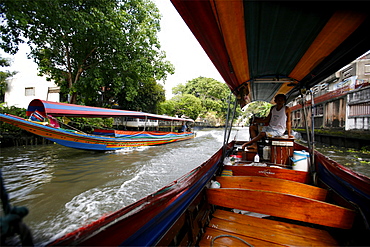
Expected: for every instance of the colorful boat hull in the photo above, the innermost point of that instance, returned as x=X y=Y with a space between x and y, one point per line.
x=79 y=140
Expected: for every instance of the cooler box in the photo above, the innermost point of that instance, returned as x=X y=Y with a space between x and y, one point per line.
x=300 y=160
x=281 y=150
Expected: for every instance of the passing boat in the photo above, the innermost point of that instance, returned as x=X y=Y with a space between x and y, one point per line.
x=261 y=48
x=42 y=122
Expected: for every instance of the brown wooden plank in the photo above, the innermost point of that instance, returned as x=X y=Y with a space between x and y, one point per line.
x=230 y=241
x=308 y=233
x=264 y=234
x=272 y=172
x=283 y=205
x=274 y=185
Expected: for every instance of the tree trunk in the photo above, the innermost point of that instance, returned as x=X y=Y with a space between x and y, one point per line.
x=73 y=98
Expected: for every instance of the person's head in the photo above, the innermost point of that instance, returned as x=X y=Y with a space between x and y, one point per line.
x=280 y=97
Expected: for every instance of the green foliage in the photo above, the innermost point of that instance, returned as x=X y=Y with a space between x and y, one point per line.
x=98 y=52
x=20 y=112
x=349 y=133
x=187 y=105
x=258 y=109
x=168 y=107
x=366 y=149
x=89 y=124
x=148 y=98
x=211 y=94
x=364 y=162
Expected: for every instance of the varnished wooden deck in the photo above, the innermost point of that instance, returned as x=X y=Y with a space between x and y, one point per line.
x=276 y=197
x=261 y=232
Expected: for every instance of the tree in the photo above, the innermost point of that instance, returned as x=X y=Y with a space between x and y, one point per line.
x=150 y=96
x=212 y=93
x=211 y=103
x=187 y=105
x=4 y=62
x=87 y=47
x=258 y=109
x=168 y=107
x=182 y=105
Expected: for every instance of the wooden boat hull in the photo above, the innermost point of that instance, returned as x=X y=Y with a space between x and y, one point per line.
x=185 y=212
x=84 y=141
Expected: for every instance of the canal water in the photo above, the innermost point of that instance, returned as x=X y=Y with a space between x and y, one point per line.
x=65 y=188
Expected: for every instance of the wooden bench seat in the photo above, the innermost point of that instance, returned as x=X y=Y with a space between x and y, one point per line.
x=283 y=205
x=211 y=233
x=272 y=172
x=262 y=232
x=274 y=185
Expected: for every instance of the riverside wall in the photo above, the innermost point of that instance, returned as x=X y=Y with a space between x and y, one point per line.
x=355 y=141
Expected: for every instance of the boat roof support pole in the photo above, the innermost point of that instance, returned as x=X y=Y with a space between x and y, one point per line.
x=146 y=118
x=310 y=135
x=231 y=122
x=228 y=126
x=312 y=146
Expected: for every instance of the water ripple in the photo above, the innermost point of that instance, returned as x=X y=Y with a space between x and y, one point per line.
x=66 y=188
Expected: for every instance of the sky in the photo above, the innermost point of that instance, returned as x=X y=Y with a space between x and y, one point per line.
x=181 y=47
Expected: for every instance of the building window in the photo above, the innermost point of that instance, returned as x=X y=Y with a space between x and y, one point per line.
x=29 y=91
x=367 y=69
x=347 y=73
x=319 y=110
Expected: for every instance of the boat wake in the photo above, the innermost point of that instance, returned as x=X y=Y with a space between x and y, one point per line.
x=67 y=188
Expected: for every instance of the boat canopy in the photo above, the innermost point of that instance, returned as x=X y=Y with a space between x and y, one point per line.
x=264 y=48
x=70 y=110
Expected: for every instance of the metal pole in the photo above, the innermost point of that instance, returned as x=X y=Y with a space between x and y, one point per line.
x=146 y=118
x=232 y=121
x=312 y=150
x=227 y=131
x=303 y=94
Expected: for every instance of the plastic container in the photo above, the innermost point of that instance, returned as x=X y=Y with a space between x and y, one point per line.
x=256 y=158
x=266 y=152
x=215 y=184
x=300 y=160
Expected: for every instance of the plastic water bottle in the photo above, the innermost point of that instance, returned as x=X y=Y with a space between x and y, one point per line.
x=215 y=184
x=256 y=158
x=266 y=152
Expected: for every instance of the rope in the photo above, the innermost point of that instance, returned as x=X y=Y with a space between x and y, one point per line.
x=230 y=236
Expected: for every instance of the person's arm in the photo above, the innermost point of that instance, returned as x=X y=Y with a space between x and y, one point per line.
x=264 y=119
x=288 y=121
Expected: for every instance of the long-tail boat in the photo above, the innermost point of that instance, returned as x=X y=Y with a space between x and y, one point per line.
x=261 y=48
x=43 y=122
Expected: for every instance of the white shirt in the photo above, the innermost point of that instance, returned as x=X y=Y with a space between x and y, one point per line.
x=278 y=119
